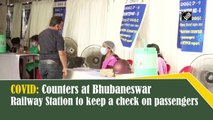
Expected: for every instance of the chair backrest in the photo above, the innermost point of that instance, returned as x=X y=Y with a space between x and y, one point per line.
x=186 y=69
x=168 y=68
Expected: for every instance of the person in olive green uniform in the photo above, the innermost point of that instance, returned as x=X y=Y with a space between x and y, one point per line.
x=33 y=50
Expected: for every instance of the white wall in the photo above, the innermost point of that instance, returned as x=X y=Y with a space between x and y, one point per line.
x=160 y=26
x=18 y=1
x=185 y=58
x=162 y=19
x=3 y=12
x=162 y=29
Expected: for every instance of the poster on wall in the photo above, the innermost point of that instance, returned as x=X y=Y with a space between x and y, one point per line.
x=133 y=15
x=60 y=8
x=191 y=25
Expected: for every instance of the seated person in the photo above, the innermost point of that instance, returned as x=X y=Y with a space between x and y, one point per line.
x=122 y=67
x=109 y=58
x=33 y=66
x=162 y=67
x=34 y=48
x=16 y=45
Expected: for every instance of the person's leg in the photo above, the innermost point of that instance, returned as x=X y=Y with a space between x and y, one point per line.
x=54 y=71
x=43 y=70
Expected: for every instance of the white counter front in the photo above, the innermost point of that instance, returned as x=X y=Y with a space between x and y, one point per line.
x=92 y=74
x=85 y=73
x=10 y=67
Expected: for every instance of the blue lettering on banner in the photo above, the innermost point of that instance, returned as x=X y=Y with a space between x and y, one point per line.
x=60 y=8
x=191 y=25
x=131 y=23
x=60 y=11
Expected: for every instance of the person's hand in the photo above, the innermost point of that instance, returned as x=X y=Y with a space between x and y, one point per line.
x=65 y=72
x=20 y=50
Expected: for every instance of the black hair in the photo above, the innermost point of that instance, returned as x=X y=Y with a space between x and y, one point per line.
x=34 y=38
x=15 y=41
x=55 y=20
x=157 y=49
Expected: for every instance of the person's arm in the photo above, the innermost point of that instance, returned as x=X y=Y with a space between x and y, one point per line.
x=63 y=58
x=38 y=47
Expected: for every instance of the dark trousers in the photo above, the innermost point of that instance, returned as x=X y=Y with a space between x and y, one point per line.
x=49 y=69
